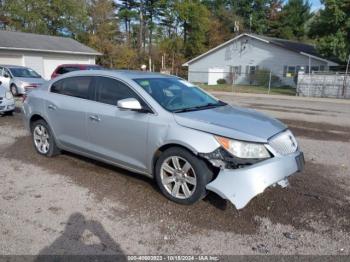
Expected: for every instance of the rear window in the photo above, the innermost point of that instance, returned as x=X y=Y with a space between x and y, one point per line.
x=64 y=70
x=74 y=86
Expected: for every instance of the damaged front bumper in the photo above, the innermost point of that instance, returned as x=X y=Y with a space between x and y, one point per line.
x=7 y=105
x=242 y=184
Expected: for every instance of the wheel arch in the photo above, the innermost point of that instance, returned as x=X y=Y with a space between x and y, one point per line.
x=164 y=147
x=35 y=117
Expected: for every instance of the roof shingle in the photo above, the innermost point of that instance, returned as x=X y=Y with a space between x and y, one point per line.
x=43 y=43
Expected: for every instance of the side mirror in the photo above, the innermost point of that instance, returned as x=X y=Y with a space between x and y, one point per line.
x=129 y=104
x=6 y=75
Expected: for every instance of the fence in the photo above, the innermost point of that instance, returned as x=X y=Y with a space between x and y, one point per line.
x=261 y=81
x=323 y=84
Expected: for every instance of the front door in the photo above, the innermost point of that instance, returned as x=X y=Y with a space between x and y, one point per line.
x=117 y=135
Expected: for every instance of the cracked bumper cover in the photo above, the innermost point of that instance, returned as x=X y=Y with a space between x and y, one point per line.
x=242 y=184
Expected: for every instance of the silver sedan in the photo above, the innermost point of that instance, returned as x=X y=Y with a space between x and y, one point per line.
x=166 y=128
x=19 y=79
x=7 y=103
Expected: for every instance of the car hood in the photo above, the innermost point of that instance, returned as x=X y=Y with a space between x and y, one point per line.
x=29 y=80
x=233 y=122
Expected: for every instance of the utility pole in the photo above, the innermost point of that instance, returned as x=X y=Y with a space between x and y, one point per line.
x=308 y=90
x=270 y=79
x=250 y=23
x=345 y=77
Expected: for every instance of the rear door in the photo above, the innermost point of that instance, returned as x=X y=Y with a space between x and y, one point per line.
x=117 y=135
x=67 y=105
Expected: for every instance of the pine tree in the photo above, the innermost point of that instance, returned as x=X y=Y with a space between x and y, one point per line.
x=331 y=29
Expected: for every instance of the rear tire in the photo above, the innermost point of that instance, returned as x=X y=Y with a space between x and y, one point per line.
x=43 y=139
x=181 y=176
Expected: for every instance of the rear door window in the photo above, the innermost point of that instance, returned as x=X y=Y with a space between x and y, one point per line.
x=79 y=86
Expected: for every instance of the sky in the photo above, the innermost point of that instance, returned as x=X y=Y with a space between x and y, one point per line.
x=316 y=4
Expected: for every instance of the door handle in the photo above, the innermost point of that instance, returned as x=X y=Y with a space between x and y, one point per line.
x=94 y=118
x=52 y=107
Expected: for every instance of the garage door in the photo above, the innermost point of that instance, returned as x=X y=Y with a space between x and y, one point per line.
x=10 y=60
x=35 y=63
x=50 y=63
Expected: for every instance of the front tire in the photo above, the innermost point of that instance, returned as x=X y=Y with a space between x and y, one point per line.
x=10 y=113
x=181 y=176
x=14 y=90
x=43 y=139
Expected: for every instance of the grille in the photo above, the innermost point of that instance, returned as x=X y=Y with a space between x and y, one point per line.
x=284 y=143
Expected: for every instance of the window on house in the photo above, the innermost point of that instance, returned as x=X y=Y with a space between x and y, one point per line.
x=315 y=68
x=251 y=70
x=290 y=71
x=236 y=70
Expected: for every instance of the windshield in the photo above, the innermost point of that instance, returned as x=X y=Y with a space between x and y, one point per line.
x=177 y=95
x=24 y=72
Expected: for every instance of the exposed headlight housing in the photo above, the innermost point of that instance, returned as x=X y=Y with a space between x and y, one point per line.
x=243 y=149
x=8 y=95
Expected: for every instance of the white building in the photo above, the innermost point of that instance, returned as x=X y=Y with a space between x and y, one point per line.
x=241 y=57
x=42 y=53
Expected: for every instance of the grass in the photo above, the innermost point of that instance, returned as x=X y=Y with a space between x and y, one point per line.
x=283 y=90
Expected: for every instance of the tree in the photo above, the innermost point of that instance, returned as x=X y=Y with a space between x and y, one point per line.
x=194 y=18
x=103 y=30
x=331 y=29
x=127 y=13
x=274 y=18
x=293 y=18
x=254 y=13
x=56 y=17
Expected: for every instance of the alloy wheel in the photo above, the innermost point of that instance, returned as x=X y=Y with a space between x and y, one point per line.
x=178 y=177
x=41 y=139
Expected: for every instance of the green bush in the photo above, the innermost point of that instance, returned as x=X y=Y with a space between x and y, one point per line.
x=221 y=81
x=262 y=78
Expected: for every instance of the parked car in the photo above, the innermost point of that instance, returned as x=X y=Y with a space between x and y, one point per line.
x=66 y=68
x=7 y=103
x=19 y=79
x=165 y=128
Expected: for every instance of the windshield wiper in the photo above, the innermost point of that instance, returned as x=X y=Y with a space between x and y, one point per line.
x=201 y=107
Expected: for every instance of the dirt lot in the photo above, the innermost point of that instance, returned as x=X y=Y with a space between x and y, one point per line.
x=74 y=205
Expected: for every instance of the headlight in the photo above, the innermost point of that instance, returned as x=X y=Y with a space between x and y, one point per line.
x=8 y=95
x=243 y=149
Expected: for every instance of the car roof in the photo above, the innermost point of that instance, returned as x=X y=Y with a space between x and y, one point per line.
x=13 y=66
x=79 y=65
x=131 y=74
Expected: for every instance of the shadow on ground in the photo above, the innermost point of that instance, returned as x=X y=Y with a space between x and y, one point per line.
x=82 y=240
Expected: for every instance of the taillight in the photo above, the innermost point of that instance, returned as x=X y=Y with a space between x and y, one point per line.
x=32 y=85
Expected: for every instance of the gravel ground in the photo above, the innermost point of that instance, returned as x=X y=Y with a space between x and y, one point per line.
x=74 y=205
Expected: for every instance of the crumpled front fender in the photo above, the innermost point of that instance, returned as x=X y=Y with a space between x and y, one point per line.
x=239 y=186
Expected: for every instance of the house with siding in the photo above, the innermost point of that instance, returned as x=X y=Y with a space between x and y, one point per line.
x=239 y=59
